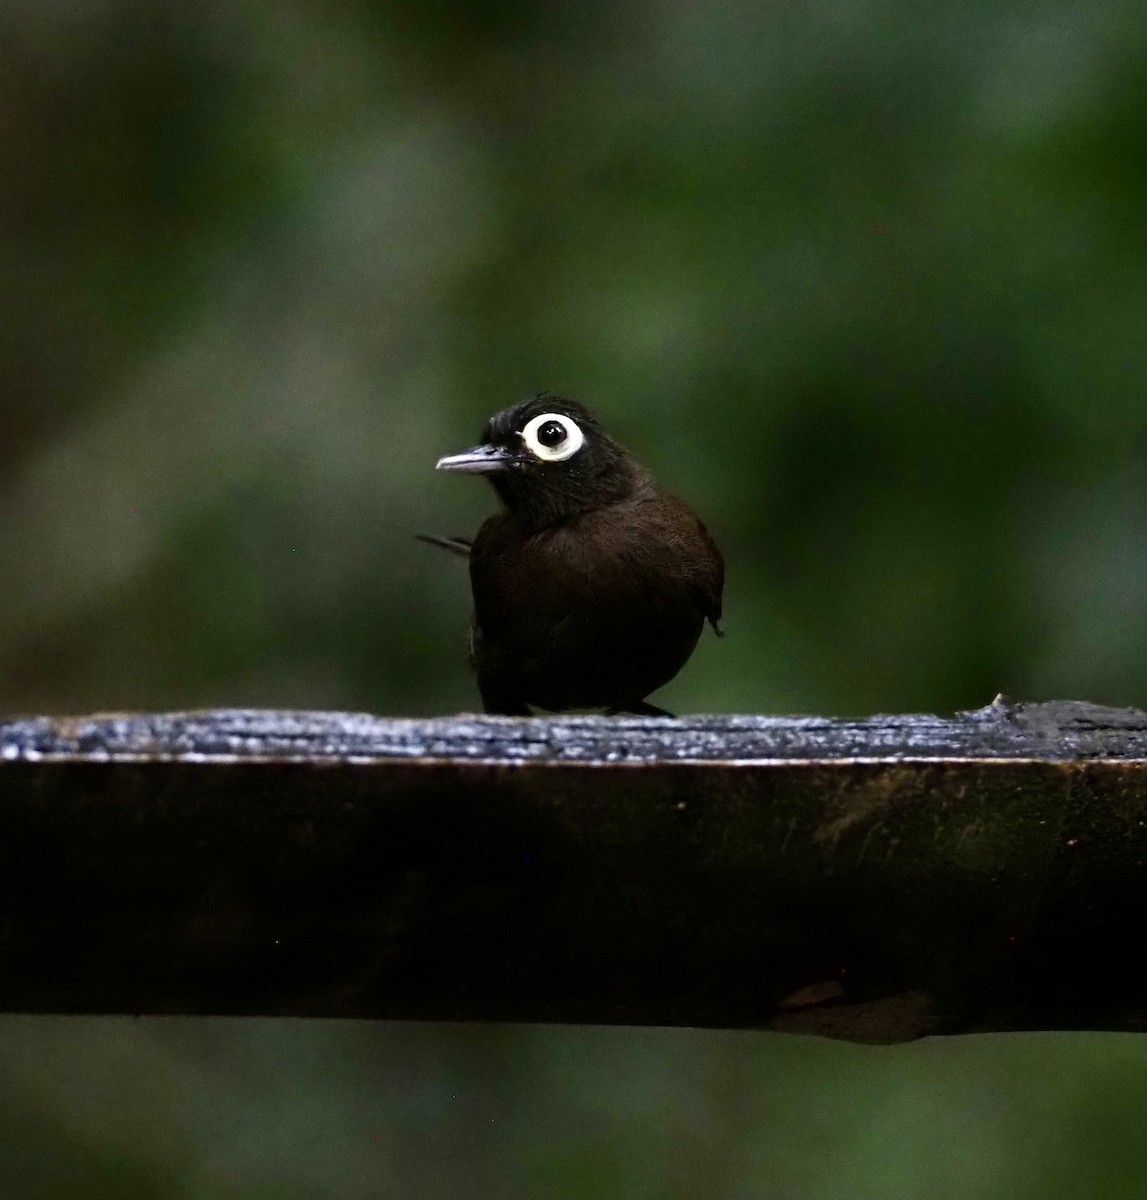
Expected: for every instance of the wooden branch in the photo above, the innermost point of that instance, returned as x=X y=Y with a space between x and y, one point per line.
x=876 y=880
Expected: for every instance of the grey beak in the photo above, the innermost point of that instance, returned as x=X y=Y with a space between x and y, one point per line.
x=477 y=461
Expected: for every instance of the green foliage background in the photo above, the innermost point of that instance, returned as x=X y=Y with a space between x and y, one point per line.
x=866 y=282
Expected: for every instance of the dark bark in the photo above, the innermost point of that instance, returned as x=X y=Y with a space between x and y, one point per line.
x=877 y=879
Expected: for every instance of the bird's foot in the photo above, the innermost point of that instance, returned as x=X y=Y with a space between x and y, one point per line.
x=641 y=709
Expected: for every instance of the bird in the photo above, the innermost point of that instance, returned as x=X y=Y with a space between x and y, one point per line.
x=591 y=586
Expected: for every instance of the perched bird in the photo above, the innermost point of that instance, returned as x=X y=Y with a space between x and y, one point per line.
x=591 y=586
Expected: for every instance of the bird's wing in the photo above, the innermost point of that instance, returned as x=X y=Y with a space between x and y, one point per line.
x=455 y=545
x=708 y=566
x=712 y=583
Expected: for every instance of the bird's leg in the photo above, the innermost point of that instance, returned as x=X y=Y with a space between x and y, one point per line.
x=503 y=704
x=641 y=709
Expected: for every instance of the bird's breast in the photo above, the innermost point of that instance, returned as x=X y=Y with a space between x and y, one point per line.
x=584 y=611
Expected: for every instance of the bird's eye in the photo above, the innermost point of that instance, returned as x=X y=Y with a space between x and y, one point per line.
x=553 y=437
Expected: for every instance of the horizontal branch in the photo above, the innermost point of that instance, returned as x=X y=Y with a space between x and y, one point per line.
x=877 y=879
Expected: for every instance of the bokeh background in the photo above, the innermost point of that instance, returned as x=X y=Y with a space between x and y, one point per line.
x=865 y=281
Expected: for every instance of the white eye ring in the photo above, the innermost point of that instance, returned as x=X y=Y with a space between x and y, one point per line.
x=566 y=448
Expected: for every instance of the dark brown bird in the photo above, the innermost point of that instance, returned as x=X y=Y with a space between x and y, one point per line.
x=592 y=586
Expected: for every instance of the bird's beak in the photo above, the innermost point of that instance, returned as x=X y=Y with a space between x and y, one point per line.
x=478 y=461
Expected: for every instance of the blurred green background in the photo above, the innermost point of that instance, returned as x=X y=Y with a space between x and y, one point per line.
x=865 y=282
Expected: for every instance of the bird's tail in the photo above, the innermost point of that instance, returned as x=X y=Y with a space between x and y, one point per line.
x=455 y=545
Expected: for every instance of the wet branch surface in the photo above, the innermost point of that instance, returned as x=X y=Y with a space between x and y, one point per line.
x=877 y=879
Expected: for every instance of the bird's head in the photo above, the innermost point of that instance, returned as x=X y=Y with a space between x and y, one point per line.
x=549 y=460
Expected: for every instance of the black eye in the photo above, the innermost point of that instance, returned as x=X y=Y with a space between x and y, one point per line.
x=552 y=437
x=551 y=434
